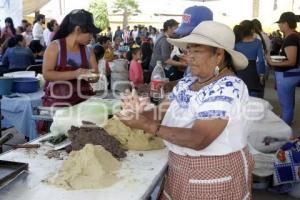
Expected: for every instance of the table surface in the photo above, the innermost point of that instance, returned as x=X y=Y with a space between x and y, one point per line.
x=139 y=175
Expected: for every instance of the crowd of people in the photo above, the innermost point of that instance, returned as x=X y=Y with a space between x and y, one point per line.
x=23 y=45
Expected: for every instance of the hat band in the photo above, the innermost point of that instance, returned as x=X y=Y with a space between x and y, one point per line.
x=209 y=39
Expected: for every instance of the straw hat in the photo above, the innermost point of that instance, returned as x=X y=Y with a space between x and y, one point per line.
x=214 y=34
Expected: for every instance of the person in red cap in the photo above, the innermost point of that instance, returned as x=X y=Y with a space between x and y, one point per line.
x=192 y=17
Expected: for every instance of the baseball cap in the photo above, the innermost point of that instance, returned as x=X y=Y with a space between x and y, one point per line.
x=83 y=18
x=288 y=17
x=213 y=34
x=191 y=17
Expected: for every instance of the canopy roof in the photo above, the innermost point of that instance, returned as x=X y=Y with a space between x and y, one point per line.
x=30 y=6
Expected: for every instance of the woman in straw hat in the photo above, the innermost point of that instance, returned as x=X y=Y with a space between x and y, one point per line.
x=203 y=124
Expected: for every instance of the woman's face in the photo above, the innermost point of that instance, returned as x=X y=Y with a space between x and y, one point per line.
x=282 y=26
x=202 y=60
x=55 y=27
x=137 y=55
x=29 y=28
x=84 y=38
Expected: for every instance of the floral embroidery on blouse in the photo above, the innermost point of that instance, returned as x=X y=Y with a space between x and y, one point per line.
x=211 y=114
x=216 y=91
x=218 y=98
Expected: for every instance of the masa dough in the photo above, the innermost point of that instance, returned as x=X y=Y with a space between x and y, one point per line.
x=132 y=139
x=90 y=168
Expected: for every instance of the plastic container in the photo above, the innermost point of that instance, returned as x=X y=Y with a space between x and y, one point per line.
x=158 y=80
x=6 y=85
x=25 y=85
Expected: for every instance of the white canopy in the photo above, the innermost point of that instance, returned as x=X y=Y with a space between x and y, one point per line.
x=30 y=6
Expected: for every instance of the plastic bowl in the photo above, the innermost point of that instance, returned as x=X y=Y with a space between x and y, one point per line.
x=6 y=85
x=25 y=85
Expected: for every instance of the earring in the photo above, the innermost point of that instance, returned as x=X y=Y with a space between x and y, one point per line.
x=217 y=70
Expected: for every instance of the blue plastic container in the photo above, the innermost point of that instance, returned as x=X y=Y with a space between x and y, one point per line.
x=25 y=85
x=6 y=85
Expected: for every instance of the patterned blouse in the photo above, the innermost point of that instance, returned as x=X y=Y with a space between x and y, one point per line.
x=225 y=98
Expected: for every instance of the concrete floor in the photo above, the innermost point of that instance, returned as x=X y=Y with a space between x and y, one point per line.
x=271 y=96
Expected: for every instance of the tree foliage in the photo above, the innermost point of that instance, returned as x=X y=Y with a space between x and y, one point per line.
x=99 y=10
x=126 y=8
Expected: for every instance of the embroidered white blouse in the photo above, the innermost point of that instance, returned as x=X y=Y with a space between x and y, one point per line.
x=223 y=98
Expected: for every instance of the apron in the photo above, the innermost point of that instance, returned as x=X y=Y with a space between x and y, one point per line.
x=209 y=177
x=70 y=92
x=250 y=77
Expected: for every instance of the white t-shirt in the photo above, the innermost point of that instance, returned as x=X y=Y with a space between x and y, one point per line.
x=224 y=98
x=135 y=34
x=37 y=33
x=46 y=35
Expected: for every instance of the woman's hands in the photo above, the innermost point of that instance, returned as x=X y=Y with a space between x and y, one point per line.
x=269 y=61
x=138 y=121
x=132 y=113
x=131 y=102
x=87 y=75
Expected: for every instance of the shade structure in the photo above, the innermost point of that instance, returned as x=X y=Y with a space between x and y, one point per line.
x=30 y=6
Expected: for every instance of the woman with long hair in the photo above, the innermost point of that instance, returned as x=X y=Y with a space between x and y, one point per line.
x=9 y=30
x=251 y=47
x=68 y=61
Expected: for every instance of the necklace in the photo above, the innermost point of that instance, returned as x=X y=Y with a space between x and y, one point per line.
x=212 y=77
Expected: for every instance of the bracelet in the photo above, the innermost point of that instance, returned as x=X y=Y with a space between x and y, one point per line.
x=157 y=130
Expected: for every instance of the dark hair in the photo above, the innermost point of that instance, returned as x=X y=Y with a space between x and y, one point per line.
x=12 y=26
x=247 y=28
x=21 y=28
x=133 y=50
x=65 y=29
x=169 y=24
x=39 y=17
x=228 y=62
x=257 y=25
x=27 y=25
x=237 y=29
x=258 y=29
x=24 y=21
x=103 y=39
x=35 y=46
x=8 y=43
x=99 y=51
x=11 y=42
x=51 y=24
x=19 y=38
x=146 y=49
x=138 y=40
